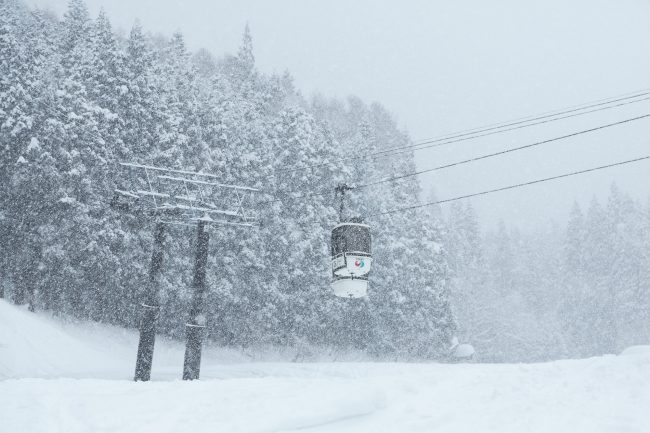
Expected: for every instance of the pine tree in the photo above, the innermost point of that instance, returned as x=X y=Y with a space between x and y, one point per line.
x=600 y=336
x=626 y=281
x=245 y=64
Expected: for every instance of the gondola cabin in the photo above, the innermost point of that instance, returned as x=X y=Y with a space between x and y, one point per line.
x=351 y=259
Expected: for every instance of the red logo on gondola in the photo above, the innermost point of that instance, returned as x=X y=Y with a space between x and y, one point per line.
x=359 y=263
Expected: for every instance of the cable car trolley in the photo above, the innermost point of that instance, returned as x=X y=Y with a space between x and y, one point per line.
x=351 y=255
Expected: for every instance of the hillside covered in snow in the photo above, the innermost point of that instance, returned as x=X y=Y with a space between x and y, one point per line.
x=76 y=378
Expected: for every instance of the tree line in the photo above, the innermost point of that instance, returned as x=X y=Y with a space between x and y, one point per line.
x=76 y=99
x=555 y=292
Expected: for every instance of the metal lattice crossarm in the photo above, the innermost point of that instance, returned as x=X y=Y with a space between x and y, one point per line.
x=182 y=196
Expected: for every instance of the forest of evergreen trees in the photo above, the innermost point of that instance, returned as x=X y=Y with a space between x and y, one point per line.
x=76 y=99
x=556 y=292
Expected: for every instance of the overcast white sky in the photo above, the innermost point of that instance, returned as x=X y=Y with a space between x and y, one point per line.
x=447 y=66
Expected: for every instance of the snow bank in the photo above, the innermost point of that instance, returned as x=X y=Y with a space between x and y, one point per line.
x=605 y=394
x=39 y=345
x=636 y=351
x=35 y=345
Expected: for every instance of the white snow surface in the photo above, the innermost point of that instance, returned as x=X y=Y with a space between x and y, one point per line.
x=58 y=377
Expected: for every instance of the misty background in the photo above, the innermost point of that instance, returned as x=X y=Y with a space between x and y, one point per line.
x=442 y=67
x=526 y=275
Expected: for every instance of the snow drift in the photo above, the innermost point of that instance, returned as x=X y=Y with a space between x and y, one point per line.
x=72 y=378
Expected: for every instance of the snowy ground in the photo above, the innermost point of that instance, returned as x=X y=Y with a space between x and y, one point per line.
x=72 y=378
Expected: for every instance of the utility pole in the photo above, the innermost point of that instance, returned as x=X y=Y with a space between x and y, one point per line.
x=195 y=327
x=150 y=307
x=187 y=199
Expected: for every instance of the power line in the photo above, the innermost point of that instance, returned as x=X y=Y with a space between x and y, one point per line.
x=502 y=152
x=552 y=113
x=505 y=188
x=469 y=136
x=470 y=160
x=421 y=145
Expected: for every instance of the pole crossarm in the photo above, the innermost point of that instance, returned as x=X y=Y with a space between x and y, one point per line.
x=182 y=197
x=203 y=182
